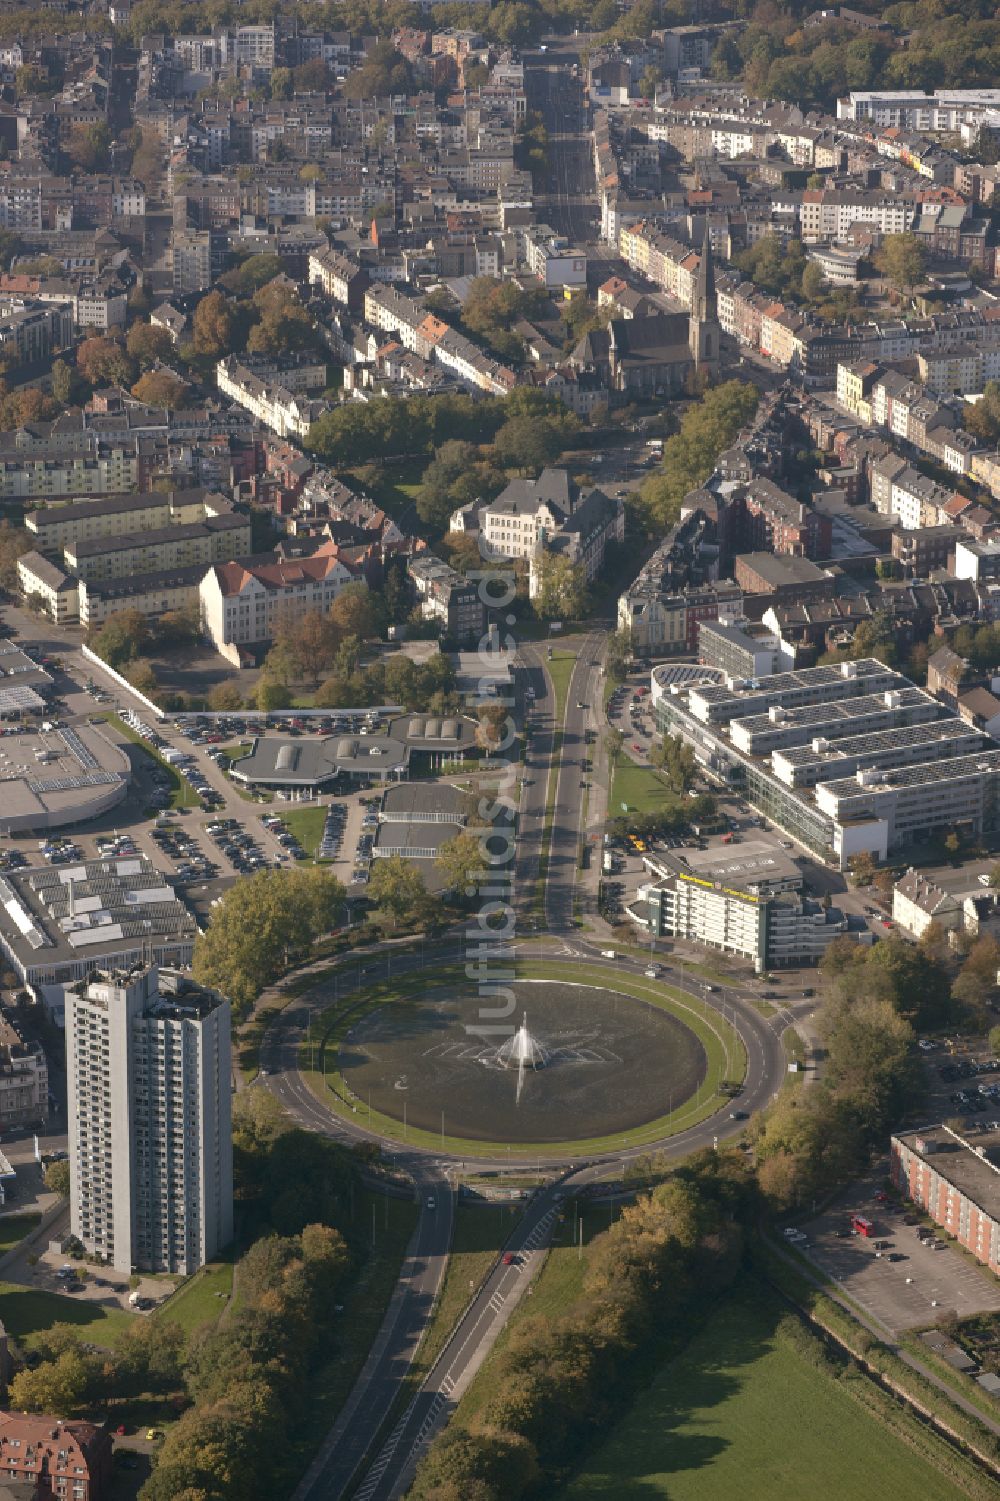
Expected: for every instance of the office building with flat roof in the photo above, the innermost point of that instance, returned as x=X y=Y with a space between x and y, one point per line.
x=148 y=1073
x=745 y=901
x=846 y=760
x=57 y=923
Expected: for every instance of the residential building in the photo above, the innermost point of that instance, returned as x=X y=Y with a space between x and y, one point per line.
x=53 y=1458
x=955 y=1183
x=242 y=601
x=24 y=1080
x=449 y=598
x=149 y=1078
x=917 y=901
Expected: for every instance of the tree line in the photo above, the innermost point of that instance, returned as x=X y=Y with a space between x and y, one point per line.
x=239 y=1384
x=689 y=455
x=560 y=1379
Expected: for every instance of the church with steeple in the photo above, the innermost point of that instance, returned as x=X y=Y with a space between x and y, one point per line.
x=704 y=332
x=656 y=353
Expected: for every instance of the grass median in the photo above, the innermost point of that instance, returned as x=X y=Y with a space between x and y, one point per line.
x=725 y=1055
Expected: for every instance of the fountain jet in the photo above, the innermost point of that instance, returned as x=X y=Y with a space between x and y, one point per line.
x=522 y=1051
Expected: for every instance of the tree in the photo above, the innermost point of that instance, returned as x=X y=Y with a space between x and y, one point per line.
x=528 y=442
x=158 y=388
x=353 y=612
x=58 y=1386
x=261 y=927
x=304 y=645
x=57 y=1179
x=15 y=541
x=103 y=361
x=63 y=383
x=270 y=696
x=492 y=726
x=123 y=637
x=982 y=417
x=562 y=587
x=147 y=344
x=813 y=282
x=225 y=696
x=689 y=456
x=676 y=759
x=902 y=260
x=449 y=481
x=212 y=326
x=862 y=868
x=281 y=83
x=398 y=890
x=283 y=325
x=89 y=147
x=142 y=675
x=462 y=864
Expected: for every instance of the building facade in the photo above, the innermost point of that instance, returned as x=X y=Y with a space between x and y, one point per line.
x=149 y=1083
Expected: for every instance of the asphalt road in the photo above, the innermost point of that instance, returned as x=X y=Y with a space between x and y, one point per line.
x=363 y=1418
x=339 y=1461
x=583 y=699
x=570 y=203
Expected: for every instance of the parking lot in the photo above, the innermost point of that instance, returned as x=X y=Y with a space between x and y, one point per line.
x=901 y=1280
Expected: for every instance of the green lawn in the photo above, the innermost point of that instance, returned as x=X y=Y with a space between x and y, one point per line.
x=641 y=787
x=27 y=1311
x=236 y=752
x=364 y=1306
x=393 y=485
x=560 y=670
x=14 y=1229
x=201 y=1299
x=307 y=826
x=744 y=1412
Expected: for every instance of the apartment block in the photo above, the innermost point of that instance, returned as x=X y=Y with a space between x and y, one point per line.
x=149 y=1085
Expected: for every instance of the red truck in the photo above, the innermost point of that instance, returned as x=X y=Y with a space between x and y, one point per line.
x=861 y=1226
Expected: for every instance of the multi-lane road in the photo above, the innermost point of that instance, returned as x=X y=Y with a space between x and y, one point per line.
x=570 y=200
x=358 y=1452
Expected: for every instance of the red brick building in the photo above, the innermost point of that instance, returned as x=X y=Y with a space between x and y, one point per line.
x=958 y=1185
x=67 y=1461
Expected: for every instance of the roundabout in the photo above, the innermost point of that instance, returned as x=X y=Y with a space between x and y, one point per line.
x=583 y=1060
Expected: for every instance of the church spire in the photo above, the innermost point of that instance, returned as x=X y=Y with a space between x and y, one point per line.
x=705 y=306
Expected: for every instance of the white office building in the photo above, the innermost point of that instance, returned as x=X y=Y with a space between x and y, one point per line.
x=151 y=1157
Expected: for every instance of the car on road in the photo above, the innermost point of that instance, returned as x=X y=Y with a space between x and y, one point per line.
x=431 y=1202
x=737 y=1115
x=510 y=1258
x=897 y=1256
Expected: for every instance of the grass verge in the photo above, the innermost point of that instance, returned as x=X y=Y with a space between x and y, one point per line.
x=479 y=1232
x=725 y=1055
x=14 y=1229
x=201 y=1299
x=182 y=794
x=364 y=1307
x=560 y=670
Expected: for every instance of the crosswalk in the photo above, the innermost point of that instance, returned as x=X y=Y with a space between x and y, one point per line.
x=442 y=1397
